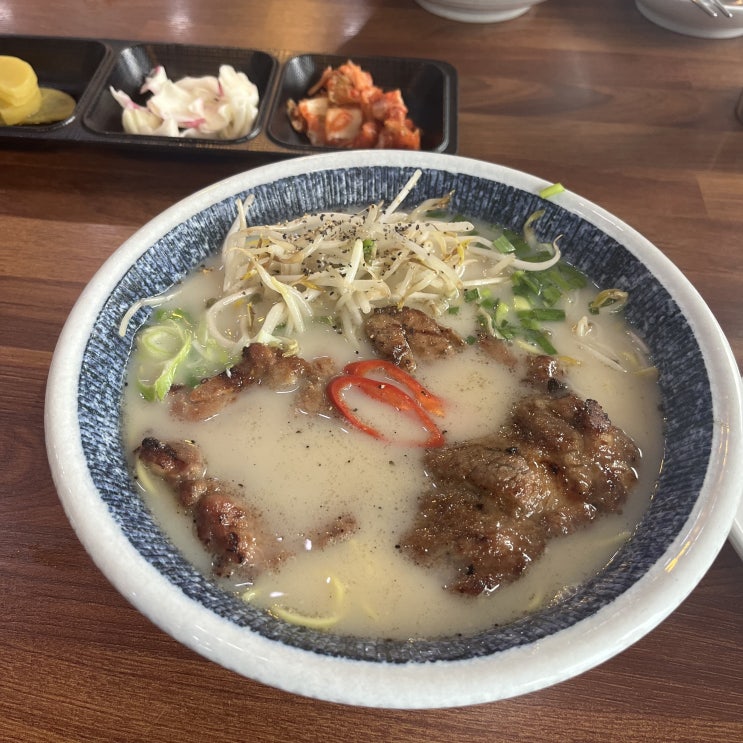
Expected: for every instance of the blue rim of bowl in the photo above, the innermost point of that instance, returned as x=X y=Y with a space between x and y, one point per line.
x=653 y=313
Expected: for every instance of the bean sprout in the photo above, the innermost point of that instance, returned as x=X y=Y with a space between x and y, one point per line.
x=344 y=265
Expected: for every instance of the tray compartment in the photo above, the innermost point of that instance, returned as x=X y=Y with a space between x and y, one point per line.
x=428 y=88
x=133 y=63
x=86 y=68
x=69 y=65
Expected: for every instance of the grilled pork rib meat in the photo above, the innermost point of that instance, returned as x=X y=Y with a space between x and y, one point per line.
x=260 y=364
x=226 y=523
x=556 y=465
x=405 y=335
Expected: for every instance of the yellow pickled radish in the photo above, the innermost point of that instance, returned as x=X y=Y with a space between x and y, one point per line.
x=56 y=105
x=18 y=82
x=16 y=114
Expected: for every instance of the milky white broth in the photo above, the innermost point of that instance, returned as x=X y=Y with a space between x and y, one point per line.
x=302 y=471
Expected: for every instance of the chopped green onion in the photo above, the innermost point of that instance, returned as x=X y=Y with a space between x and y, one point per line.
x=540 y=340
x=552 y=190
x=163 y=347
x=550 y=294
x=369 y=247
x=521 y=304
x=525 y=284
x=520 y=246
x=528 y=322
x=611 y=299
x=543 y=314
x=501 y=310
x=507 y=331
x=503 y=244
x=574 y=277
x=171 y=348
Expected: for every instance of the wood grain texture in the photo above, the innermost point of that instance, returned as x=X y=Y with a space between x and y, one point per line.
x=632 y=117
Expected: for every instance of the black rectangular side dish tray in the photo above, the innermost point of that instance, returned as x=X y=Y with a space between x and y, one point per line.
x=88 y=68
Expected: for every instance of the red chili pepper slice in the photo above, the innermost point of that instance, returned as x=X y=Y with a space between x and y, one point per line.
x=425 y=397
x=388 y=394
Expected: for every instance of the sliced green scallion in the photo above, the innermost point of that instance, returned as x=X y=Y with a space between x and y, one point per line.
x=612 y=300
x=543 y=314
x=553 y=190
x=162 y=349
x=172 y=348
x=503 y=244
x=370 y=249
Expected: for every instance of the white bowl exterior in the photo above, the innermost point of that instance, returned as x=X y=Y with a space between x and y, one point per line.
x=412 y=685
x=684 y=17
x=736 y=533
x=478 y=11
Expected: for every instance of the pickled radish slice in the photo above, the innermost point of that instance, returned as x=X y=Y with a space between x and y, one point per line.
x=18 y=82
x=15 y=113
x=56 y=105
x=23 y=102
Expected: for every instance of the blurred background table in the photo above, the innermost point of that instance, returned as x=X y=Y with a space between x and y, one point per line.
x=585 y=92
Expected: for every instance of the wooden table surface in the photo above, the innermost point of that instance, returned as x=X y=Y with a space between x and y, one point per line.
x=585 y=92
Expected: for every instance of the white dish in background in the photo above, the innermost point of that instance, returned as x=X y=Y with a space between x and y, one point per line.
x=685 y=17
x=736 y=533
x=478 y=11
x=677 y=540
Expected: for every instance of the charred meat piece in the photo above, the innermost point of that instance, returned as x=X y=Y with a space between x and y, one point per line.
x=540 y=371
x=335 y=531
x=405 y=335
x=235 y=533
x=176 y=461
x=502 y=468
x=555 y=466
x=179 y=463
x=487 y=548
x=260 y=364
x=543 y=372
x=592 y=460
x=560 y=460
x=231 y=529
x=311 y=397
x=498 y=349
